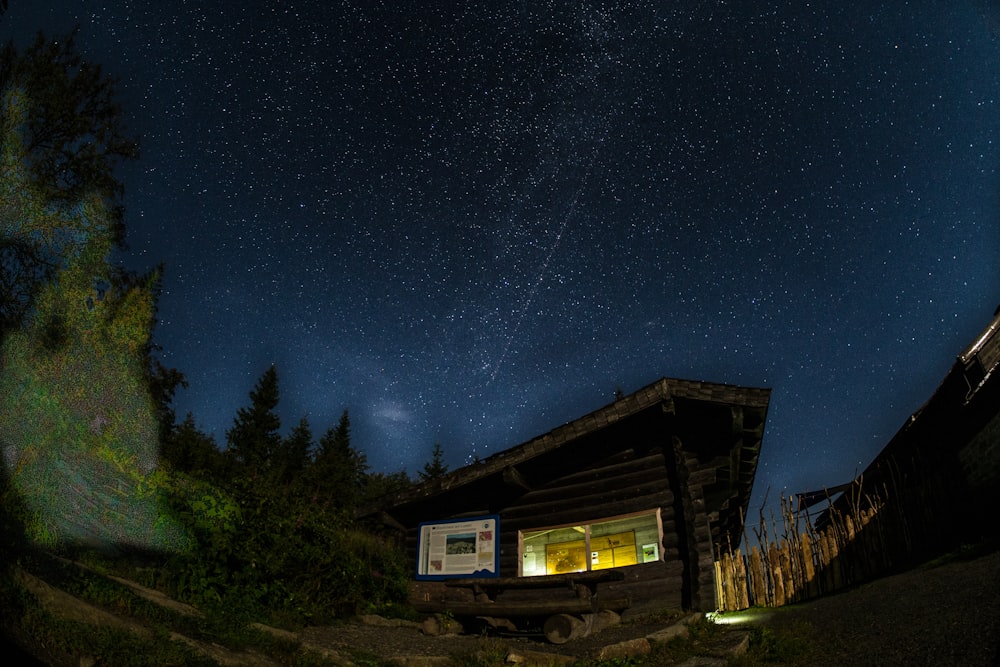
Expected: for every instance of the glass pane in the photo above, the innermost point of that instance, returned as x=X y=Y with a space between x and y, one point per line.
x=553 y=551
x=566 y=557
x=612 y=550
x=625 y=541
x=614 y=543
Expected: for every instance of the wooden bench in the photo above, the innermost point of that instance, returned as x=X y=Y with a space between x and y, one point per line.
x=583 y=584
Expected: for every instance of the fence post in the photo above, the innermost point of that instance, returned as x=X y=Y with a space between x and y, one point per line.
x=720 y=596
x=774 y=563
x=808 y=570
x=758 y=587
x=741 y=581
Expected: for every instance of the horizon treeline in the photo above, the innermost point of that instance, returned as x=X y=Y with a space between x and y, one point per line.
x=329 y=468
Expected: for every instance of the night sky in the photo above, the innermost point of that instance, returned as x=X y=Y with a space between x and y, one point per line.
x=469 y=223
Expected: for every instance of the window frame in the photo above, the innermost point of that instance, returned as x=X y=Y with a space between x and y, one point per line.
x=587 y=526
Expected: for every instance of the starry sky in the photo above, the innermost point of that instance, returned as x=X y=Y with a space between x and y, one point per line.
x=471 y=222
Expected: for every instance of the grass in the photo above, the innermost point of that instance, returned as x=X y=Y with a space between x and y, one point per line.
x=492 y=652
x=770 y=644
x=701 y=633
x=774 y=647
x=58 y=641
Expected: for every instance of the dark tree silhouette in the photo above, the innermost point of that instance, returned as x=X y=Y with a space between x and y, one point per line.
x=340 y=471
x=254 y=439
x=436 y=467
x=292 y=457
x=190 y=450
x=75 y=133
x=379 y=484
x=70 y=137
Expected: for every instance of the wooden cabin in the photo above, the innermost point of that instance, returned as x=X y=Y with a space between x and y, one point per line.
x=620 y=509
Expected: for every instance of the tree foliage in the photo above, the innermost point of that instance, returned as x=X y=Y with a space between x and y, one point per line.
x=254 y=438
x=380 y=485
x=85 y=408
x=292 y=457
x=436 y=467
x=74 y=134
x=338 y=475
x=187 y=449
x=64 y=133
x=290 y=541
x=75 y=411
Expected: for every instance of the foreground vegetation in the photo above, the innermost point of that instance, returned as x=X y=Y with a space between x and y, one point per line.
x=272 y=541
x=143 y=632
x=140 y=632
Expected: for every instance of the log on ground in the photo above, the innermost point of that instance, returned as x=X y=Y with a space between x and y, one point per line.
x=562 y=628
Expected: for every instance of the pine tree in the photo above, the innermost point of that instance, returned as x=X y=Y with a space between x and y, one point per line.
x=436 y=467
x=74 y=135
x=292 y=457
x=339 y=472
x=254 y=439
x=190 y=450
x=66 y=135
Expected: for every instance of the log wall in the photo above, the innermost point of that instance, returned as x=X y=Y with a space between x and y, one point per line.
x=639 y=483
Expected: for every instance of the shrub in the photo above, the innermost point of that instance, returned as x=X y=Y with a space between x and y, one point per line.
x=280 y=553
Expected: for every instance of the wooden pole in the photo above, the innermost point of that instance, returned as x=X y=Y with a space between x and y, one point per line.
x=757 y=580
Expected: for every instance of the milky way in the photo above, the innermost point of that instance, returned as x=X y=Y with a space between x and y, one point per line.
x=469 y=223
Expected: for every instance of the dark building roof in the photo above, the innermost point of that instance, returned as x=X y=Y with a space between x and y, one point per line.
x=930 y=442
x=483 y=486
x=953 y=413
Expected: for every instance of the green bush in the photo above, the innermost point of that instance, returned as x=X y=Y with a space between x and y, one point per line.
x=290 y=557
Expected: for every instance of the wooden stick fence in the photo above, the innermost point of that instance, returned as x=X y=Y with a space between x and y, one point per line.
x=878 y=530
x=797 y=566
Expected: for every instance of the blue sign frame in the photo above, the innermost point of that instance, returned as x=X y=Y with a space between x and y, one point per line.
x=453 y=548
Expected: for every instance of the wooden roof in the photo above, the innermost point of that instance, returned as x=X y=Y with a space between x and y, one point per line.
x=961 y=405
x=663 y=393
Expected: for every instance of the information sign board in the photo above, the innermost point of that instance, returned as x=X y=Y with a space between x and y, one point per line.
x=459 y=548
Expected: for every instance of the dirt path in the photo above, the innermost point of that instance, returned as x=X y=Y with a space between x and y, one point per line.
x=944 y=615
x=406 y=639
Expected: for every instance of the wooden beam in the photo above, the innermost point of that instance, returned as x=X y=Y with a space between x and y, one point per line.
x=513 y=477
x=542 y=607
x=568 y=580
x=389 y=521
x=737 y=416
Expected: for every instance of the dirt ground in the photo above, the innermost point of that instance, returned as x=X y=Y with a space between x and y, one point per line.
x=407 y=640
x=943 y=615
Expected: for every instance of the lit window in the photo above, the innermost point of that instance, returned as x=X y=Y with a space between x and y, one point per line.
x=617 y=542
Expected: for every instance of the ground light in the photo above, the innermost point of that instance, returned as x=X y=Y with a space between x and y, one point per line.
x=738 y=617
